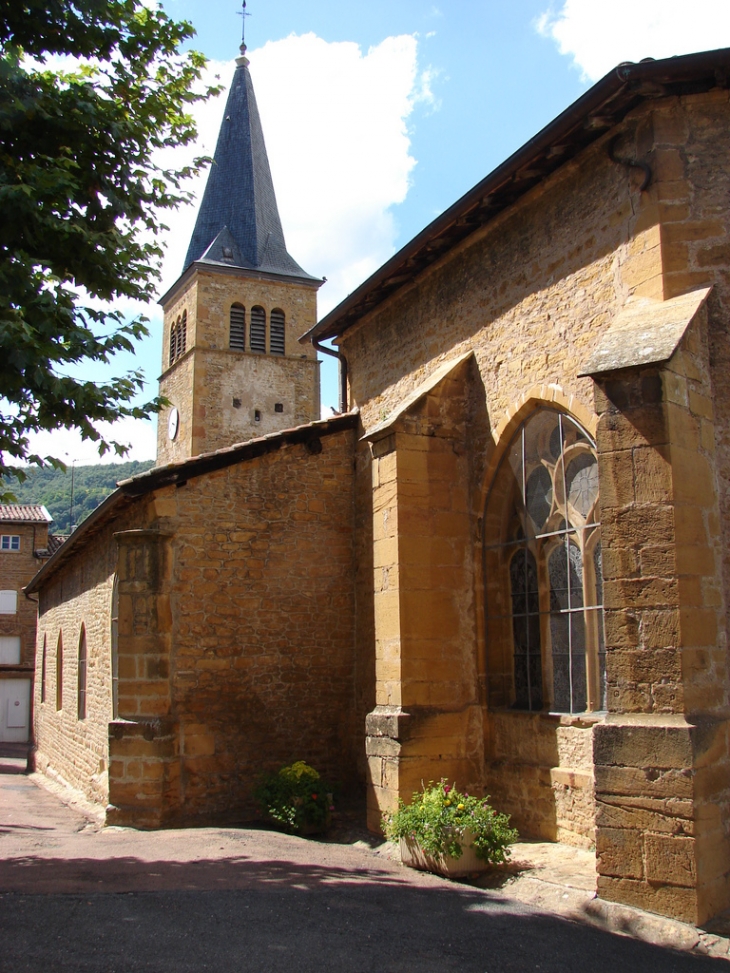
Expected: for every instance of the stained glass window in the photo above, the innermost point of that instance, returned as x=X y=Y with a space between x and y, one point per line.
x=542 y=566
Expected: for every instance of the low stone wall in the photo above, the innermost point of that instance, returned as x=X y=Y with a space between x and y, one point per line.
x=539 y=770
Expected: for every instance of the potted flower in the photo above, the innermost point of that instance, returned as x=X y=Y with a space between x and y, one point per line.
x=445 y=831
x=296 y=798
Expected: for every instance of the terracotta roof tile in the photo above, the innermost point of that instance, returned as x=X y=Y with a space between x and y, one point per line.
x=24 y=513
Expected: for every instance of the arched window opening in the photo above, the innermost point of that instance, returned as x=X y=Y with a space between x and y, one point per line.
x=277 y=339
x=59 y=672
x=542 y=570
x=237 y=338
x=44 y=663
x=178 y=337
x=115 y=647
x=258 y=329
x=182 y=334
x=82 y=671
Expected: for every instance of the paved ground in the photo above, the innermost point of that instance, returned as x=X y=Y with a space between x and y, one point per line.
x=75 y=897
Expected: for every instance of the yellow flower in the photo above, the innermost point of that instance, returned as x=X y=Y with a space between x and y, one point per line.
x=460 y=807
x=447 y=803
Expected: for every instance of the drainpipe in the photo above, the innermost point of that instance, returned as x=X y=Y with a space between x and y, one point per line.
x=344 y=405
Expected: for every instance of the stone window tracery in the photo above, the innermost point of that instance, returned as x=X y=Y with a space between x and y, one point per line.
x=542 y=570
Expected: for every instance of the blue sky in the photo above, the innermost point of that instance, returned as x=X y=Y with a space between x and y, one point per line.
x=379 y=115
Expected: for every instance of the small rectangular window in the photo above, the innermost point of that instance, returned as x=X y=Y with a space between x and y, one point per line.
x=9 y=650
x=10 y=542
x=278 y=407
x=8 y=602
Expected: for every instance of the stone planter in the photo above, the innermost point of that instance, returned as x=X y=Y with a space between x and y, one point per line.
x=414 y=856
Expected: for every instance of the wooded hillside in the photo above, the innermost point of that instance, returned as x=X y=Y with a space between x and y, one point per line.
x=91 y=485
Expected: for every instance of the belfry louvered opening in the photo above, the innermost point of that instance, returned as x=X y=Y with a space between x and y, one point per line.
x=277 y=321
x=237 y=337
x=178 y=337
x=182 y=334
x=258 y=329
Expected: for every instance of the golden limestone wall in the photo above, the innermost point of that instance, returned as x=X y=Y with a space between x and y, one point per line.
x=220 y=392
x=492 y=297
x=529 y=296
x=235 y=640
x=662 y=767
x=66 y=746
x=252 y=639
x=263 y=609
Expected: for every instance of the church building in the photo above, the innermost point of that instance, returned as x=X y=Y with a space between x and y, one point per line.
x=504 y=563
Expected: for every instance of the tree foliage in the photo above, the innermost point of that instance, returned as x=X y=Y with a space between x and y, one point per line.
x=91 y=484
x=91 y=92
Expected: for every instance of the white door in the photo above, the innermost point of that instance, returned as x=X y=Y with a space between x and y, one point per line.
x=14 y=710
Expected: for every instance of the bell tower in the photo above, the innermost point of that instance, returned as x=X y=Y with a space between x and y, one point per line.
x=232 y=367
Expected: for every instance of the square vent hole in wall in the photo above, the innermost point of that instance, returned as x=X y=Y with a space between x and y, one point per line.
x=279 y=407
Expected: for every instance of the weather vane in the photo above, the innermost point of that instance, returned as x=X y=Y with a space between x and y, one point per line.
x=243 y=14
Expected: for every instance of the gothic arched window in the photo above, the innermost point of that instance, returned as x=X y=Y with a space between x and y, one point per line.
x=59 y=671
x=542 y=569
x=237 y=334
x=82 y=674
x=258 y=329
x=277 y=336
x=44 y=663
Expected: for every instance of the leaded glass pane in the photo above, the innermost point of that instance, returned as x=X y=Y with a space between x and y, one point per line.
x=539 y=496
x=526 y=631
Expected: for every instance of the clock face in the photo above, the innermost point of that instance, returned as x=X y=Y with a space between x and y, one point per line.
x=172 y=423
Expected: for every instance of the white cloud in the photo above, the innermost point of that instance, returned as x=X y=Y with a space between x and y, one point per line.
x=67 y=445
x=600 y=35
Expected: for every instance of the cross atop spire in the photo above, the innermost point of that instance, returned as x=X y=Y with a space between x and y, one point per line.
x=243 y=13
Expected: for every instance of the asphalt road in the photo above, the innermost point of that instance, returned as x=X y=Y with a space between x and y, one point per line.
x=77 y=899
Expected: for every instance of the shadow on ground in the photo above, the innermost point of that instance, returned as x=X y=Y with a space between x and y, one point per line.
x=283 y=915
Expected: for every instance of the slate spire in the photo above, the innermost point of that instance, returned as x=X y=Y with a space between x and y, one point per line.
x=238 y=223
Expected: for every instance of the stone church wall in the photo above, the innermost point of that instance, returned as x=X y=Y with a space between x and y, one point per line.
x=491 y=295
x=236 y=628
x=80 y=594
x=529 y=295
x=254 y=662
